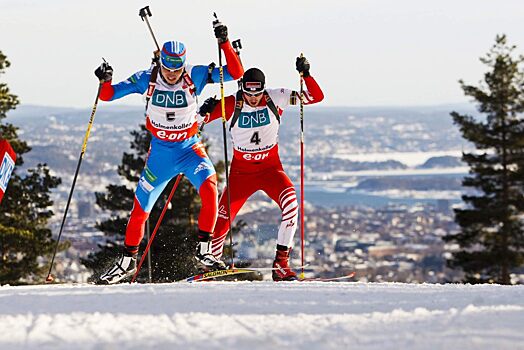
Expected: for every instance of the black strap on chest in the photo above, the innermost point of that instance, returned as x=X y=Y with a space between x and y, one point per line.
x=189 y=82
x=238 y=108
x=210 y=68
x=271 y=106
x=152 y=81
x=185 y=76
x=240 y=103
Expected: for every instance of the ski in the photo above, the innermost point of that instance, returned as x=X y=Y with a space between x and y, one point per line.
x=316 y=279
x=219 y=273
x=213 y=274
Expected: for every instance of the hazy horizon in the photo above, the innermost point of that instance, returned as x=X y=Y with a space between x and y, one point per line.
x=315 y=107
x=362 y=53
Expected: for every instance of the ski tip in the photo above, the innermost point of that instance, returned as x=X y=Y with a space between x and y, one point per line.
x=329 y=279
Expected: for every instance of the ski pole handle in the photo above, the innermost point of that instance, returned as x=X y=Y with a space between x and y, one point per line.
x=144 y=13
x=237 y=45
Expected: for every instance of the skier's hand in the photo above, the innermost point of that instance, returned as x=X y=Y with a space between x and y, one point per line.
x=156 y=57
x=220 y=32
x=104 y=72
x=303 y=66
x=208 y=106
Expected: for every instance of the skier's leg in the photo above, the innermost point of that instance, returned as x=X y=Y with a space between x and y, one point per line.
x=157 y=173
x=153 y=180
x=241 y=188
x=279 y=187
x=200 y=171
x=135 y=228
x=208 y=211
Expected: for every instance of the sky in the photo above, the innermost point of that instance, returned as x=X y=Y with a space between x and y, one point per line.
x=362 y=52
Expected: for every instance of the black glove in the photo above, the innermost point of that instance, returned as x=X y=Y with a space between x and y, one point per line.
x=220 y=32
x=303 y=66
x=208 y=106
x=104 y=72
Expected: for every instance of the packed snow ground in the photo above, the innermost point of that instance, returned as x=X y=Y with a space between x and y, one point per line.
x=262 y=315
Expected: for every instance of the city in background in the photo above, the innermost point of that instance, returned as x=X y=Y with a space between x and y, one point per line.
x=380 y=186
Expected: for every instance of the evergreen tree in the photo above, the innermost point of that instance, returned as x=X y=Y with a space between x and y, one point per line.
x=492 y=236
x=24 y=210
x=174 y=245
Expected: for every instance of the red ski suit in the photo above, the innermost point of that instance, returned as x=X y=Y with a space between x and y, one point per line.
x=256 y=164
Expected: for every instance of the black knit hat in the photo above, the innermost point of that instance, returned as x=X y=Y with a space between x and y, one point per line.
x=253 y=80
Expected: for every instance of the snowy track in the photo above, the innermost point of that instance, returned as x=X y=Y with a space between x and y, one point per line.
x=262 y=315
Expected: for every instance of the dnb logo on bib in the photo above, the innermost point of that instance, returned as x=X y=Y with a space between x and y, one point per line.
x=253 y=119
x=169 y=99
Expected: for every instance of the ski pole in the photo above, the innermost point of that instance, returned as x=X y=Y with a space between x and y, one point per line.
x=144 y=13
x=302 y=237
x=237 y=45
x=156 y=228
x=148 y=234
x=223 y=107
x=50 y=278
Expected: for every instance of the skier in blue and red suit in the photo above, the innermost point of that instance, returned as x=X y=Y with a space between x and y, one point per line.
x=171 y=117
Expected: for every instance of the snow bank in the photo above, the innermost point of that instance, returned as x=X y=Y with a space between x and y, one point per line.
x=262 y=315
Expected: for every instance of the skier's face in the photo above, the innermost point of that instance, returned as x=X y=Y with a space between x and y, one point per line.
x=253 y=99
x=172 y=76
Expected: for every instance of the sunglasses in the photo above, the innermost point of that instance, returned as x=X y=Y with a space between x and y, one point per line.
x=172 y=70
x=254 y=94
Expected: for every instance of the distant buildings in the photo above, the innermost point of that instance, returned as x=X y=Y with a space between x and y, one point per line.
x=401 y=244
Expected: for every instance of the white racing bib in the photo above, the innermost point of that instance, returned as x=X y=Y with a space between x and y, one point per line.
x=255 y=133
x=172 y=111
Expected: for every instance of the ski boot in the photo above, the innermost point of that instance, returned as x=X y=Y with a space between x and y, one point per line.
x=206 y=260
x=282 y=271
x=123 y=269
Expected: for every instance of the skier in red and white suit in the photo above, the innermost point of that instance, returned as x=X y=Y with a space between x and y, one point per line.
x=254 y=119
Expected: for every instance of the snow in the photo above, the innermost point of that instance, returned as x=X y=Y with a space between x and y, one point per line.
x=262 y=315
x=411 y=159
x=402 y=172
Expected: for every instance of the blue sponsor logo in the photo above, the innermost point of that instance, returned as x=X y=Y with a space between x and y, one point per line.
x=253 y=119
x=6 y=168
x=169 y=99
